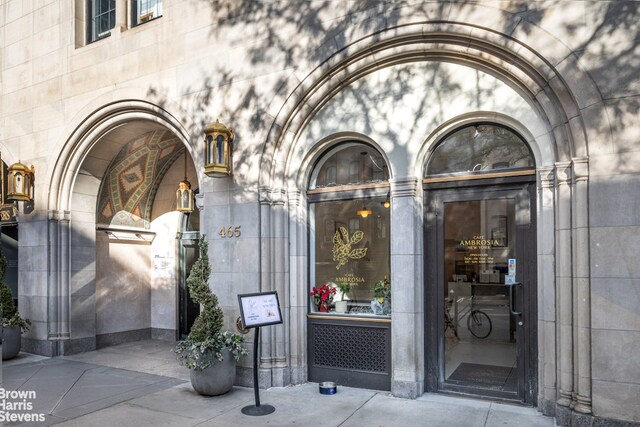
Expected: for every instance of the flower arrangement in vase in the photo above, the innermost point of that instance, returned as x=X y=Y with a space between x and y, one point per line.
x=323 y=296
x=381 y=303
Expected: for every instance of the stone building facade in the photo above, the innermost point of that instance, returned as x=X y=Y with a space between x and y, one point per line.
x=107 y=105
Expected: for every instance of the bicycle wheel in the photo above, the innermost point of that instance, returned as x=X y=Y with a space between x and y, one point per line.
x=479 y=324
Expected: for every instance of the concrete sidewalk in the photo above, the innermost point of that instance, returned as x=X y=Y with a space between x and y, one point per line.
x=141 y=384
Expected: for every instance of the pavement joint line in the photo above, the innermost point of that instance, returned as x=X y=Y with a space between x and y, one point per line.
x=122 y=395
x=67 y=392
x=358 y=408
x=31 y=376
x=486 y=417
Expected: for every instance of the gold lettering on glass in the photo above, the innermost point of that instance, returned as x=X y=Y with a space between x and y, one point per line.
x=342 y=243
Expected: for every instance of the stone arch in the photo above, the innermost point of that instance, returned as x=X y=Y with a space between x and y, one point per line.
x=564 y=99
x=85 y=130
x=548 y=91
x=71 y=318
x=299 y=176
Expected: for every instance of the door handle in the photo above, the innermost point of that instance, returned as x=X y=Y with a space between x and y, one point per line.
x=512 y=301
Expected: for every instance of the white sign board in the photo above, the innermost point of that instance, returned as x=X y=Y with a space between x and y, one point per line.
x=260 y=309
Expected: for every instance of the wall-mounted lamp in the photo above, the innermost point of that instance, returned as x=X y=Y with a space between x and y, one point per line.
x=21 y=182
x=364 y=212
x=387 y=201
x=184 y=193
x=218 y=144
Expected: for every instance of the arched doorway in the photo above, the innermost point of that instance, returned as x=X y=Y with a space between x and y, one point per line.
x=116 y=223
x=480 y=265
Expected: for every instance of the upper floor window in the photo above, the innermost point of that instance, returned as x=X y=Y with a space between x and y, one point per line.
x=102 y=18
x=480 y=148
x=102 y=15
x=145 y=10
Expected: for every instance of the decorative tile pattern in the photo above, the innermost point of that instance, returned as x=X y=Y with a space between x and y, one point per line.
x=132 y=179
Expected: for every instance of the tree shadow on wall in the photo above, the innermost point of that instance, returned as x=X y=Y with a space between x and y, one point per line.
x=287 y=38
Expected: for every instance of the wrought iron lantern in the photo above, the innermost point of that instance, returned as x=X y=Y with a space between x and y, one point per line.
x=184 y=193
x=20 y=182
x=218 y=145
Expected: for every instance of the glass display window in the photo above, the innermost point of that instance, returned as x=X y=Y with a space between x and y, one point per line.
x=349 y=234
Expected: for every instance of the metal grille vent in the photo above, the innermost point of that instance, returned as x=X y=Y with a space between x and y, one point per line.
x=350 y=347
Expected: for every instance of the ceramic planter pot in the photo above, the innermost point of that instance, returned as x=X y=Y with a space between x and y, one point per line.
x=11 y=342
x=341 y=306
x=381 y=305
x=216 y=379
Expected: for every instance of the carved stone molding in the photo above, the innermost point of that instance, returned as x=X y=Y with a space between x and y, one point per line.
x=270 y=196
x=563 y=172
x=404 y=187
x=547 y=177
x=580 y=169
x=59 y=215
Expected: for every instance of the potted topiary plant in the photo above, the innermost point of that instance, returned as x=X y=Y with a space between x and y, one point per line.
x=209 y=353
x=381 y=303
x=12 y=324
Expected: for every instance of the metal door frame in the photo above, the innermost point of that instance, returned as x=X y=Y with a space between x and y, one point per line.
x=523 y=189
x=184 y=239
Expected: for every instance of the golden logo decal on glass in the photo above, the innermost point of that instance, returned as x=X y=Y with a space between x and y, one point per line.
x=479 y=242
x=342 y=243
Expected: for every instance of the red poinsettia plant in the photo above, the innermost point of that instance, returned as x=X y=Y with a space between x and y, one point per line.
x=323 y=296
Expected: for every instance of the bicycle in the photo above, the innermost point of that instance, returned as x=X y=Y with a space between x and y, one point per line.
x=478 y=322
x=448 y=321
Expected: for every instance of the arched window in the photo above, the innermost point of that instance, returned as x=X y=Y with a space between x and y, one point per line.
x=349 y=222
x=479 y=148
x=349 y=164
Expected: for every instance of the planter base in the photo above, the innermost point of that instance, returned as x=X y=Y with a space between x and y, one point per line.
x=218 y=378
x=11 y=340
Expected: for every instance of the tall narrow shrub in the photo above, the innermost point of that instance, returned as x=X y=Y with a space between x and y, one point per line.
x=206 y=340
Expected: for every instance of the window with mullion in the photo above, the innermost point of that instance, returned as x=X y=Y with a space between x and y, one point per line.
x=145 y=10
x=102 y=18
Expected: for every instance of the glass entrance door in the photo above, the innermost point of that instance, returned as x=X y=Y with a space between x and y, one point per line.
x=483 y=282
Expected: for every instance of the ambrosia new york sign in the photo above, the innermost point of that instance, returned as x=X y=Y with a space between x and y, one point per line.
x=479 y=242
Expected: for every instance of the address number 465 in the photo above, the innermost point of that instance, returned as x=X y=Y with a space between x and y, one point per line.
x=231 y=231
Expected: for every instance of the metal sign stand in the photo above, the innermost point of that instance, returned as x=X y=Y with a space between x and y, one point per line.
x=257 y=409
x=259 y=309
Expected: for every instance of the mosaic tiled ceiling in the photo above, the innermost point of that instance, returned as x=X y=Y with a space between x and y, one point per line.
x=133 y=177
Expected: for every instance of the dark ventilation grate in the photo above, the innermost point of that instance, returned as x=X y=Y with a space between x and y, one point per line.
x=351 y=347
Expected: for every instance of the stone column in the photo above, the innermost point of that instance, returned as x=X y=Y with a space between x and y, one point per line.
x=59 y=281
x=564 y=286
x=273 y=277
x=581 y=288
x=407 y=289
x=298 y=285
x=546 y=292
